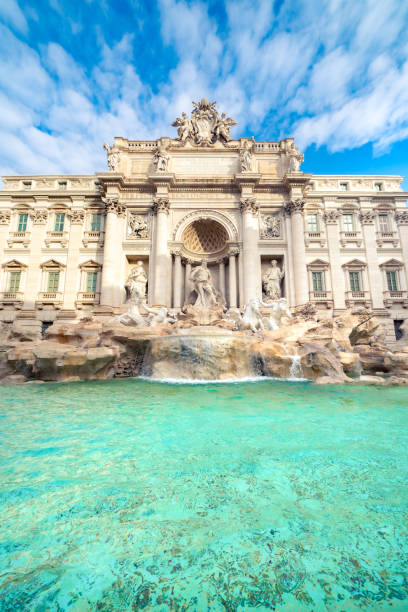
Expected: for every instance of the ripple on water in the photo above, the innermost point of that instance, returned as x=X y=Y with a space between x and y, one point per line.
x=265 y=494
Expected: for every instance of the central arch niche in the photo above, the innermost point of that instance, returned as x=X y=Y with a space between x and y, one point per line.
x=205 y=237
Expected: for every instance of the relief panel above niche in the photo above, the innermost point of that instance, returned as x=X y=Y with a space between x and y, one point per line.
x=204 y=164
x=141 y=166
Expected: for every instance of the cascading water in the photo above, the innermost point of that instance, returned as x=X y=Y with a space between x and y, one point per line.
x=295 y=370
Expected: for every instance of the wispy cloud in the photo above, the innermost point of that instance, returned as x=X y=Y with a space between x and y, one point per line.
x=336 y=77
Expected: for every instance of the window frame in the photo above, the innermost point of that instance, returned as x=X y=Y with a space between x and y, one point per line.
x=344 y=186
x=57 y=222
x=93 y=216
x=359 y=276
x=22 y=225
x=343 y=224
x=315 y=225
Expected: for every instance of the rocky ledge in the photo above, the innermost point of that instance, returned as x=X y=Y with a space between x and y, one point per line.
x=345 y=349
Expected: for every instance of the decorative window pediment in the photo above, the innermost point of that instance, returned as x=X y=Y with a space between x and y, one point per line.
x=392 y=263
x=52 y=264
x=90 y=265
x=355 y=263
x=318 y=264
x=13 y=264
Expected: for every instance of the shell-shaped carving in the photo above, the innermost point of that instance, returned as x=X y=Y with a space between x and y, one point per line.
x=205 y=236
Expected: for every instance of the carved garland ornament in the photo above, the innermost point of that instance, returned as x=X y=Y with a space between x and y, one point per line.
x=401 y=218
x=40 y=216
x=249 y=205
x=5 y=216
x=77 y=216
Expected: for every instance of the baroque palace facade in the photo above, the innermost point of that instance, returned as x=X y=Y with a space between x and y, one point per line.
x=68 y=243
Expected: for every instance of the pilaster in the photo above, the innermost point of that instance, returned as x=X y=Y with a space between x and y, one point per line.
x=72 y=275
x=367 y=220
x=338 y=287
x=401 y=219
x=39 y=219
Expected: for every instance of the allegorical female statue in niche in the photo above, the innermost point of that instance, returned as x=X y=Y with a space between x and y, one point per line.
x=272 y=280
x=136 y=283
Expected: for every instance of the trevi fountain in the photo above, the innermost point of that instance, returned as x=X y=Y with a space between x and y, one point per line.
x=242 y=448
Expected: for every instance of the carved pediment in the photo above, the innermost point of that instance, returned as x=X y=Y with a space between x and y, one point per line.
x=91 y=263
x=355 y=263
x=52 y=263
x=392 y=263
x=13 y=264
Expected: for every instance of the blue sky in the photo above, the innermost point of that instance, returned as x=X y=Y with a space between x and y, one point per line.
x=76 y=73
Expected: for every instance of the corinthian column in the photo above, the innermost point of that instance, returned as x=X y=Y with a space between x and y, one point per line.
x=162 y=258
x=187 y=282
x=251 y=260
x=336 y=273
x=177 y=279
x=110 y=282
x=221 y=276
x=232 y=278
x=295 y=210
x=375 y=278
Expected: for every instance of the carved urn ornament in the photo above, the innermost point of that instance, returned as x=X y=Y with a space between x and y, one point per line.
x=205 y=127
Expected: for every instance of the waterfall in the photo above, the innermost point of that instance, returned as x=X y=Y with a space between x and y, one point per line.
x=295 y=370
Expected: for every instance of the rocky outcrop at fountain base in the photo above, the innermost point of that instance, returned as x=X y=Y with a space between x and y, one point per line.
x=348 y=348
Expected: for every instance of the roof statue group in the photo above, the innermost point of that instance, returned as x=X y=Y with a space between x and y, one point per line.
x=205 y=126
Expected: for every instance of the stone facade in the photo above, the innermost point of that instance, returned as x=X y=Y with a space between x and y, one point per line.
x=68 y=243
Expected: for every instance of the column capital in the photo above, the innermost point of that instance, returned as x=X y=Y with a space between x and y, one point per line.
x=249 y=205
x=39 y=216
x=233 y=252
x=5 y=216
x=401 y=218
x=295 y=206
x=161 y=205
x=176 y=252
x=77 y=216
x=112 y=205
x=331 y=216
x=220 y=260
x=367 y=217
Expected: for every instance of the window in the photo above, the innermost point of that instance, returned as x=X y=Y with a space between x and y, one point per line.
x=312 y=223
x=91 y=278
x=312 y=186
x=96 y=222
x=98 y=185
x=22 y=223
x=343 y=186
x=348 y=223
x=378 y=186
x=53 y=281
x=27 y=185
x=317 y=281
x=62 y=184
x=383 y=221
x=355 y=281
x=59 y=222
x=14 y=281
x=392 y=280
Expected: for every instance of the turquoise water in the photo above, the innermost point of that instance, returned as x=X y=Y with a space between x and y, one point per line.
x=132 y=495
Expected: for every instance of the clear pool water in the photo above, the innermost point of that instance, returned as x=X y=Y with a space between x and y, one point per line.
x=132 y=495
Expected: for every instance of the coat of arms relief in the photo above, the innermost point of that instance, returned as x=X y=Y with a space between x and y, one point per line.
x=205 y=127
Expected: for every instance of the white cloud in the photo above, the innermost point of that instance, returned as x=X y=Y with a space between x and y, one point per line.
x=332 y=77
x=11 y=14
